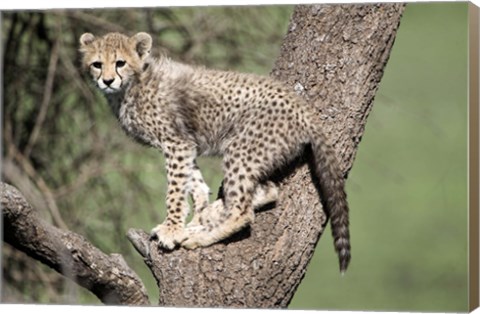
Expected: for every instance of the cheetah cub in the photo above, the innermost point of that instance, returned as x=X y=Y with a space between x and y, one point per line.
x=256 y=123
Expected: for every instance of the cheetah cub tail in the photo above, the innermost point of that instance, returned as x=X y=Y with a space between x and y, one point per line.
x=333 y=194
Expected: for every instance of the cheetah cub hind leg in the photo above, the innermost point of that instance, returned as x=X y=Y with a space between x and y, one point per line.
x=199 y=231
x=264 y=194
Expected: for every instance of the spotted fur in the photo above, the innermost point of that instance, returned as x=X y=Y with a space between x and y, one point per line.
x=255 y=122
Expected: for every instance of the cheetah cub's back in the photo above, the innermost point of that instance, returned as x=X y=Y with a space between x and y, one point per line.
x=256 y=123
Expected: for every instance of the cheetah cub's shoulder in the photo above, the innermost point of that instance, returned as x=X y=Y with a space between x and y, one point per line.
x=256 y=123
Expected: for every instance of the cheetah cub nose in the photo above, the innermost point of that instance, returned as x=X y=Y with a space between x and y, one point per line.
x=108 y=82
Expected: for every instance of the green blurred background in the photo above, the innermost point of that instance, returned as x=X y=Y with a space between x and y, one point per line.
x=407 y=188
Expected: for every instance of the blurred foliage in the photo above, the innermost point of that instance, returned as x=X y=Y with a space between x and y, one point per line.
x=407 y=189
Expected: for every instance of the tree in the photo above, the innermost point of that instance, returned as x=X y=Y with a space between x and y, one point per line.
x=334 y=56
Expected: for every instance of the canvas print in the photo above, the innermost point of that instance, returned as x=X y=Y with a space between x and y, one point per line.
x=310 y=156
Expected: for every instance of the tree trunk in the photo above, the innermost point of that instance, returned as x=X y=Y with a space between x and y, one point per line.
x=334 y=56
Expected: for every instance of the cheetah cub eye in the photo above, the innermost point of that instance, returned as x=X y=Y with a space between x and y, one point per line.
x=120 y=63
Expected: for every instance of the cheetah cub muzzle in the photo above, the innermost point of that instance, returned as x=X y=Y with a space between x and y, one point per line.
x=256 y=123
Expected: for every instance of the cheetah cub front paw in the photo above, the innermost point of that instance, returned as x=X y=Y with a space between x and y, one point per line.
x=168 y=237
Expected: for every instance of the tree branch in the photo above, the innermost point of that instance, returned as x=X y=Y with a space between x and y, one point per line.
x=107 y=276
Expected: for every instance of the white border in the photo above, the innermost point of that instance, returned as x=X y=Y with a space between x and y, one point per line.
x=81 y=309
x=42 y=5
x=71 y=309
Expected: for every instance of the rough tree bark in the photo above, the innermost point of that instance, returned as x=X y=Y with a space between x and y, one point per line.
x=334 y=56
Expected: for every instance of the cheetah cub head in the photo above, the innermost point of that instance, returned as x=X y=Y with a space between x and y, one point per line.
x=114 y=59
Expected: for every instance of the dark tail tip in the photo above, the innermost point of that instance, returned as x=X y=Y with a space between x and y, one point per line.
x=344 y=259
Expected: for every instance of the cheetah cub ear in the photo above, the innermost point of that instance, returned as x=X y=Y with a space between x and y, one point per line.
x=86 y=39
x=142 y=43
